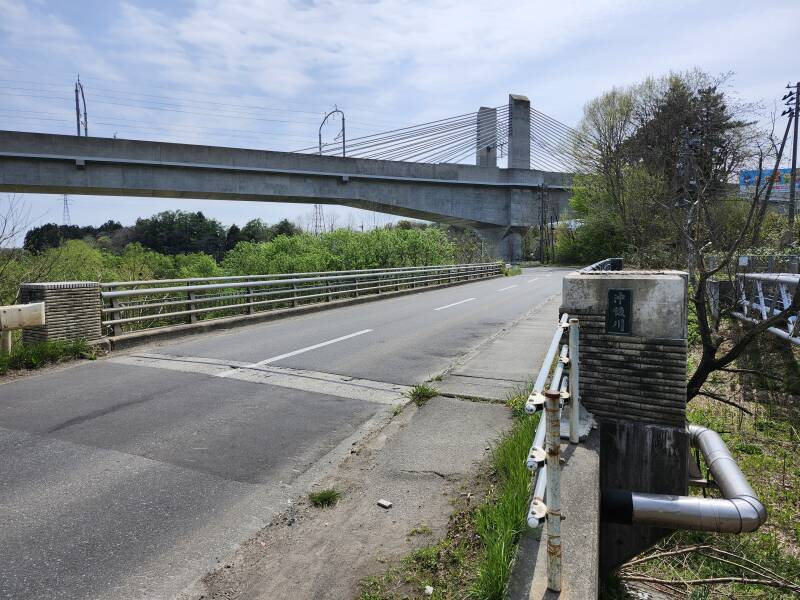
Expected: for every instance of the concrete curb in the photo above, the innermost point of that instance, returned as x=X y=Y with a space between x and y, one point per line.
x=144 y=336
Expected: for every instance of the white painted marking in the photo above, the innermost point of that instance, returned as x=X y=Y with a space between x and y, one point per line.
x=532 y=280
x=295 y=352
x=454 y=304
x=507 y=288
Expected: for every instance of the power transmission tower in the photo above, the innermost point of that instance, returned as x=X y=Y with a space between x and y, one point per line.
x=319 y=219
x=79 y=96
x=65 y=219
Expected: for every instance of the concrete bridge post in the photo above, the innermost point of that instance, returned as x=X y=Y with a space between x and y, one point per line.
x=633 y=380
x=486 y=137
x=519 y=132
x=72 y=311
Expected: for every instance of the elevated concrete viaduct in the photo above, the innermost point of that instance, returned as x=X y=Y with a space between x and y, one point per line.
x=499 y=203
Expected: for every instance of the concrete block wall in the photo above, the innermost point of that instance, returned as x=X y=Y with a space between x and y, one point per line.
x=72 y=311
x=635 y=385
x=634 y=377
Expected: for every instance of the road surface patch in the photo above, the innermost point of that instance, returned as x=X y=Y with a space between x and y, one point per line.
x=343 y=386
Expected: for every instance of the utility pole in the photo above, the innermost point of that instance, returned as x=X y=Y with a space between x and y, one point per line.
x=793 y=175
x=79 y=96
x=319 y=217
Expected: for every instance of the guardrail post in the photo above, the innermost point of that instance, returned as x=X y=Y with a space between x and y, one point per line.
x=5 y=342
x=192 y=317
x=116 y=327
x=250 y=308
x=574 y=392
x=553 y=415
x=294 y=295
x=328 y=296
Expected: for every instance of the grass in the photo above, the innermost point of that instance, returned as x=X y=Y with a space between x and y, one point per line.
x=420 y=394
x=326 y=497
x=474 y=558
x=511 y=271
x=420 y=530
x=35 y=356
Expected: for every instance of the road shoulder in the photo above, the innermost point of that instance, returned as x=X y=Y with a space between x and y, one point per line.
x=422 y=462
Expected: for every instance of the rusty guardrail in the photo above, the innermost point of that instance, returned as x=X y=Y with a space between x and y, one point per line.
x=545 y=453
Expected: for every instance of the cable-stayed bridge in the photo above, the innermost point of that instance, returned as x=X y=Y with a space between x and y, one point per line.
x=523 y=166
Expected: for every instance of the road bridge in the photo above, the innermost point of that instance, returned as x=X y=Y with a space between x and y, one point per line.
x=499 y=203
x=127 y=477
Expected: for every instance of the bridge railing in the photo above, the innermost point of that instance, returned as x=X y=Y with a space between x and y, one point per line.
x=607 y=264
x=764 y=295
x=545 y=452
x=134 y=305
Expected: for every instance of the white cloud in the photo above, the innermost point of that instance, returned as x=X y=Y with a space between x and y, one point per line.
x=387 y=62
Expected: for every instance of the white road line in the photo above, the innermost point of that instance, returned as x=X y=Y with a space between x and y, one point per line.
x=507 y=288
x=454 y=304
x=295 y=352
x=532 y=280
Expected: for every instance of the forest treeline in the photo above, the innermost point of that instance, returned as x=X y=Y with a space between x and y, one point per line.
x=177 y=244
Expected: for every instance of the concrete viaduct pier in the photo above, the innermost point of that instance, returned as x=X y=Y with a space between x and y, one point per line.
x=498 y=203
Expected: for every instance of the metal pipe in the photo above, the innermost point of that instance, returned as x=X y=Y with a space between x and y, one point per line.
x=738 y=512
x=537 y=454
x=264 y=282
x=574 y=392
x=538 y=509
x=536 y=399
x=112 y=284
x=553 y=492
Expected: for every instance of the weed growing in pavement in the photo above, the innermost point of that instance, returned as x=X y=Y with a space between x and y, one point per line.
x=326 y=497
x=420 y=394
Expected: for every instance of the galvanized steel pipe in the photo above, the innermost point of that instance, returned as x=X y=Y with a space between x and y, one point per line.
x=739 y=511
x=553 y=415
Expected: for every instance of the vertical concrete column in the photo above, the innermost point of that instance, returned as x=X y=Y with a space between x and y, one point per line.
x=519 y=132
x=633 y=380
x=72 y=311
x=486 y=138
x=501 y=242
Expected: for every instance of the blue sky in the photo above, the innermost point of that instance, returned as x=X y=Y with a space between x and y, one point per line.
x=385 y=62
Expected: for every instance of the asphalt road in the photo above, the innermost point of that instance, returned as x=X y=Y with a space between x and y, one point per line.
x=131 y=476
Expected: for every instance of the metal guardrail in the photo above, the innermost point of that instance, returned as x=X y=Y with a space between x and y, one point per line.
x=132 y=305
x=607 y=264
x=763 y=295
x=545 y=453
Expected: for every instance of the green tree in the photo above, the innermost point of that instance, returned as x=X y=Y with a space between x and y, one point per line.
x=233 y=237
x=256 y=230
x=176 y=232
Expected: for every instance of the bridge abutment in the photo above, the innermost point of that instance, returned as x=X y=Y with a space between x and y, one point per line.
x=633 y=380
